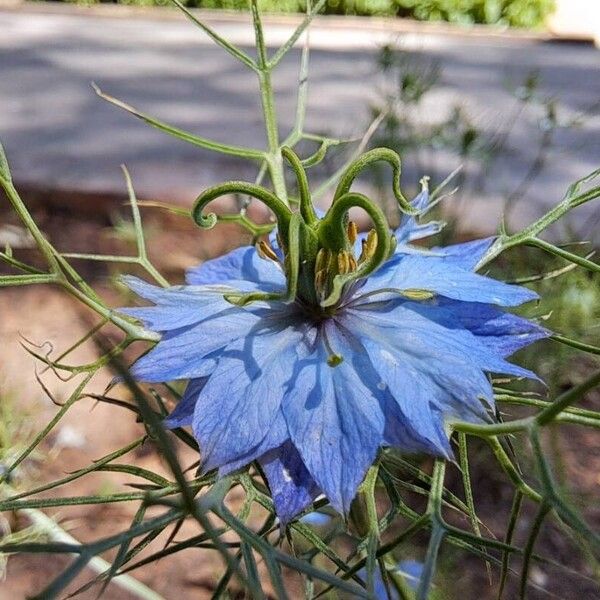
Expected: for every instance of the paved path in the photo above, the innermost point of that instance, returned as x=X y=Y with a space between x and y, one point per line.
x=60 y=135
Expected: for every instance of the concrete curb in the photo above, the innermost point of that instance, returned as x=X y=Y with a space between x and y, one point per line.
x=327 y=32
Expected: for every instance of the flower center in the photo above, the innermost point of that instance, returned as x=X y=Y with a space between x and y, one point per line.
x=319 y=260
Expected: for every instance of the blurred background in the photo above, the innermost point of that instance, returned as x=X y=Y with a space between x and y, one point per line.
x=508 y=90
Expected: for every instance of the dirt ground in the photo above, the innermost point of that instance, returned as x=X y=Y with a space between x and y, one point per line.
x=91 y=430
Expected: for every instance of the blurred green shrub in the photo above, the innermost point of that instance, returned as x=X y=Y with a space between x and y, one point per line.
x=515 y=13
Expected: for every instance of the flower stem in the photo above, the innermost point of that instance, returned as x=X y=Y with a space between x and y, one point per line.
x=267 y=97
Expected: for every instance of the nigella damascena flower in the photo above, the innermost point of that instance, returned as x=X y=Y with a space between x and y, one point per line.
x=311 y=353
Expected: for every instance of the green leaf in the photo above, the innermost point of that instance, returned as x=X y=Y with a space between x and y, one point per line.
x=435 y=541
x=4 y=168
x=180 y=133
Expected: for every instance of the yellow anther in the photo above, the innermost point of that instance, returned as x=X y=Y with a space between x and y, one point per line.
x=321 y=282
x=353 y=263
x=265 y=251
x=371 y=243
x=333 y=360
x=343 y=263
x=369 y=246
x=322 y=259
x=416 y=294
x=352 y=232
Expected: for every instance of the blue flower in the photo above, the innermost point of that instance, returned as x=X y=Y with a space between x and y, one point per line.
x=410 y=570
x=313 y=389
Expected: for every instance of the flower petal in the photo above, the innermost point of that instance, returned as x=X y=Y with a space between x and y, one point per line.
x=411 y=327
x=276 y=436
x=243 y=394
x=445 y=278
x=292 y=487
x=434 y=373
x=189 y=352
x=334 y=417
x=502 y=332
x=467 y=254
x=411 y=229
x=401 y=433
x=177 y=307
x=241 y=264
x=183 y=413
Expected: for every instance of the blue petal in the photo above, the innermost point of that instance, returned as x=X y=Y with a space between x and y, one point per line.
x=445 y=278
x=410 y=229
x=276 y=436
x=412 y=570
x=433 y=372
x=467 y=254
x=334 y=418
x=184 y=411
x=401 y=434
x=428 y=384
x=190 y=352
x=292 y=487
x=242 y=264
x=412 y=328
x=242 y=397
x=176 y=307
x=502 y=332
x=316 y=519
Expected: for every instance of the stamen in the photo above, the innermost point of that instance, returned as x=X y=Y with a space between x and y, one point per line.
x=343 y=263
x=411 y=294
x=322 y=259
x=321 y=283
x=363 y=251
x=352 y=232
x=417 y=294
x=334 y=359
x=353 y=263
x=265 y=251
x=371 y=243
x=369 y=246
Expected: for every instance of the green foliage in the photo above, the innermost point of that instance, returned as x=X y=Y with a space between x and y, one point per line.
x=569 y=306
x=514 y=13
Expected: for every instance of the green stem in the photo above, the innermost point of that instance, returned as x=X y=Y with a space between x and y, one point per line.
x=135 y=331
x=21 y=210
x=267 y=97
x=529 y=234
x=566 y=399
